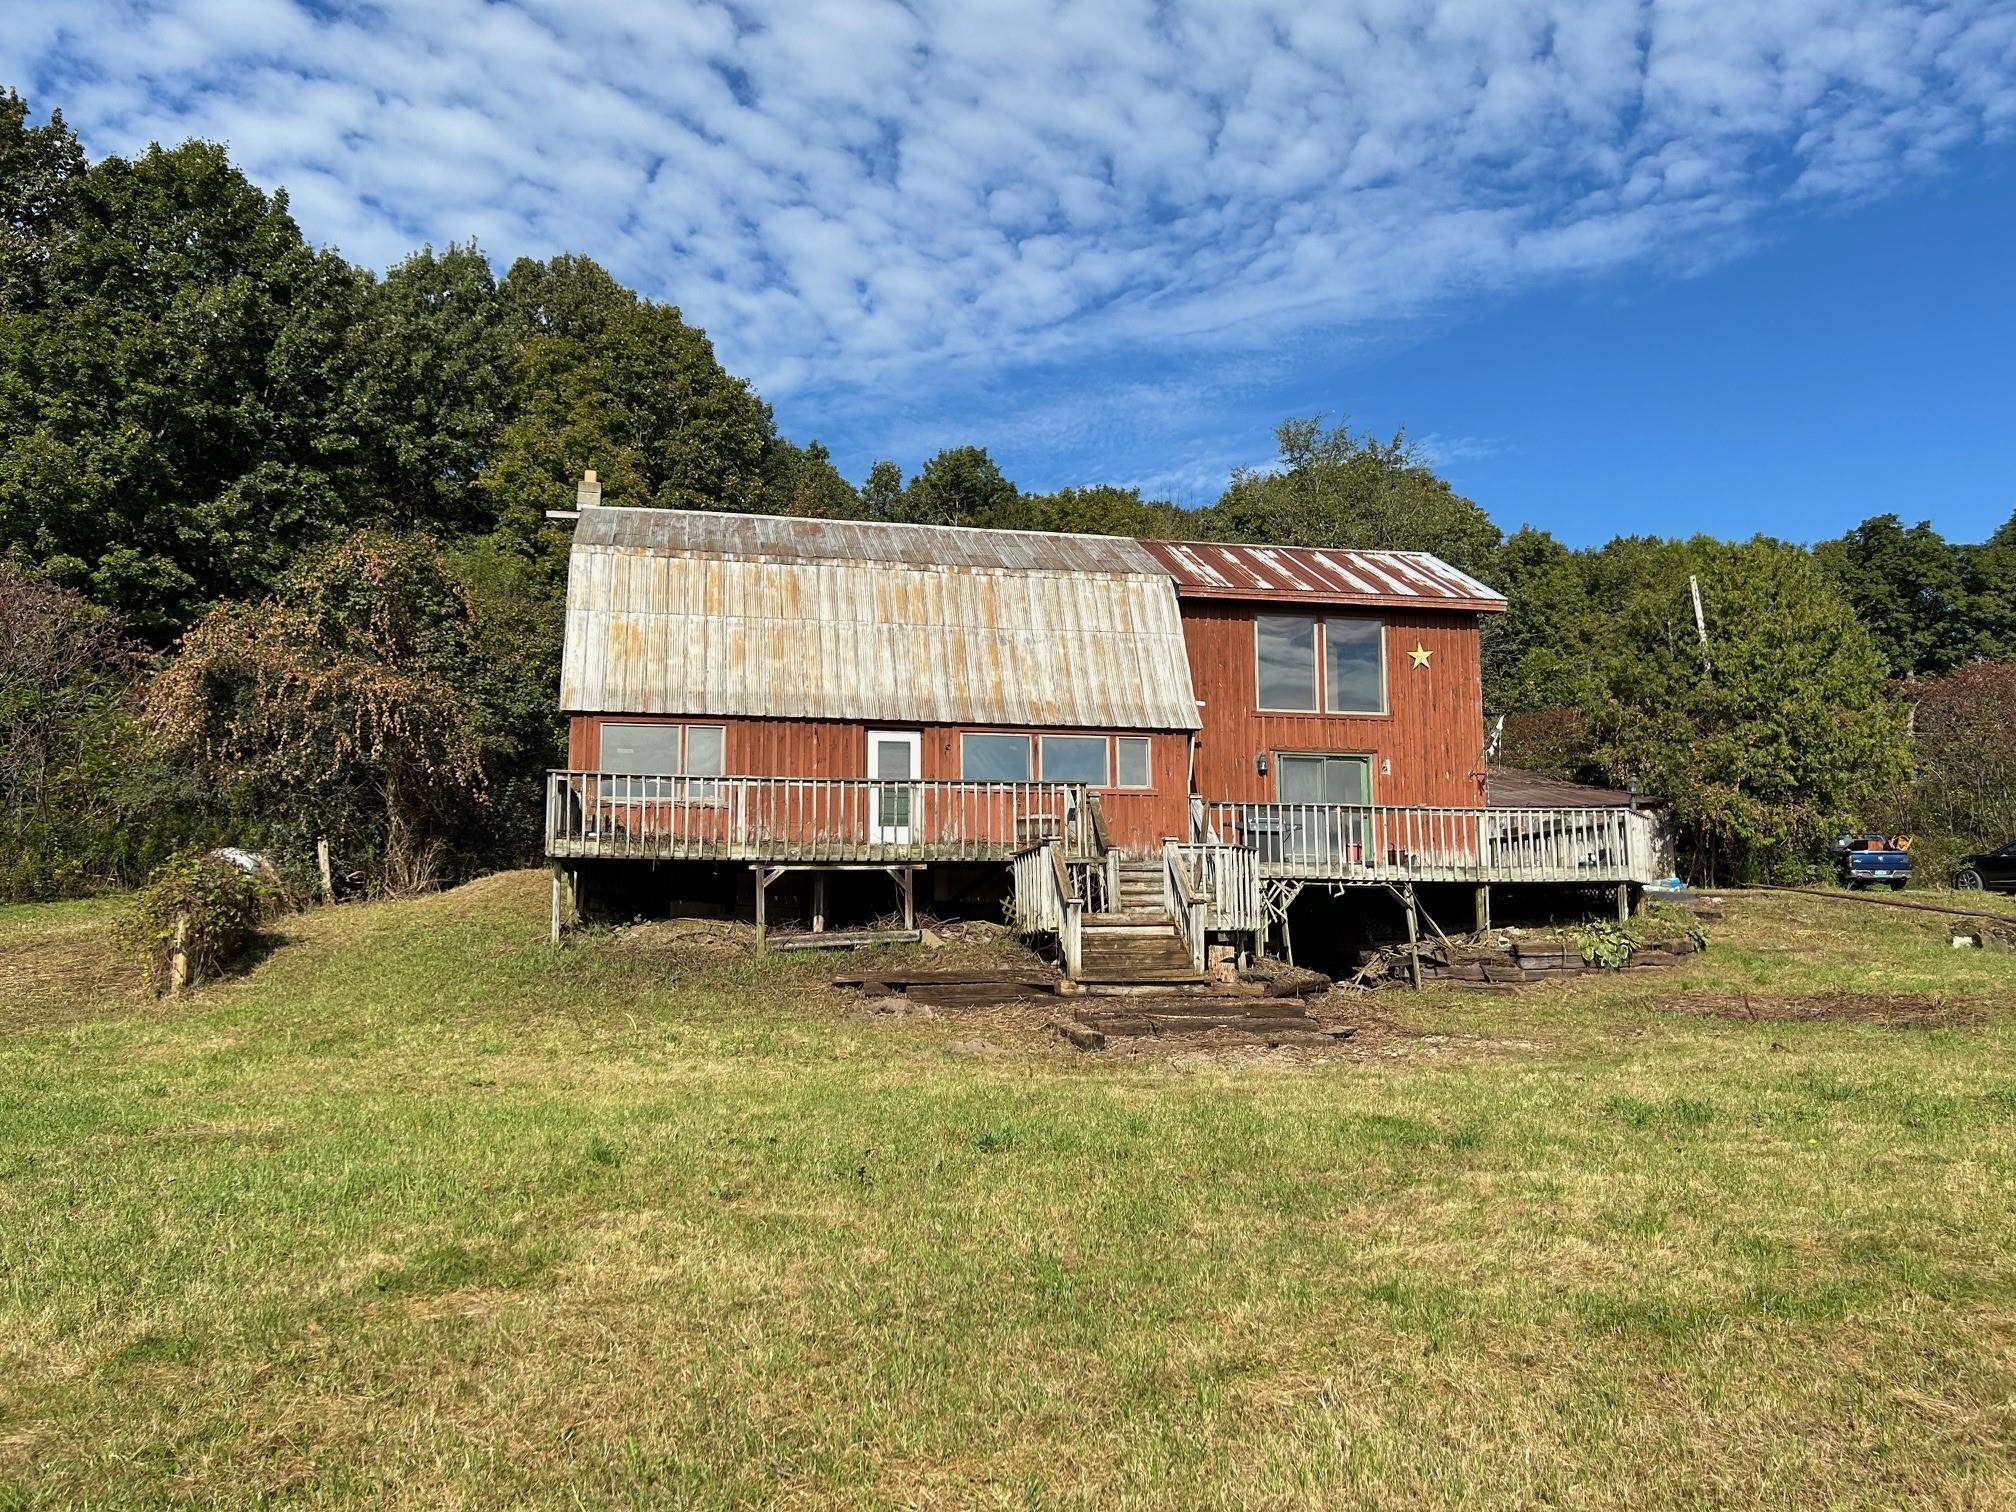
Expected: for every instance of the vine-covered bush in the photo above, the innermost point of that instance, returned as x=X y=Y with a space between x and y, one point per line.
x=203 y=908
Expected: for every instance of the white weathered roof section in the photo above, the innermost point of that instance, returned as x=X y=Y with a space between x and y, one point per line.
x=691 y=612
x=1332 y=575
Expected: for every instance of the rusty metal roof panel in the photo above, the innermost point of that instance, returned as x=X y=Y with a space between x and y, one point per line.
x=687 y=612
x=1213 y=569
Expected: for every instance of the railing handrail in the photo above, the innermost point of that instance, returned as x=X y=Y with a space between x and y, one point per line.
x=976 y=783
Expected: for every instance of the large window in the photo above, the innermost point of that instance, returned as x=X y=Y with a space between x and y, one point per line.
x=1354 y=666
x=1337 y=666
x=1287 y=662
x=648 y=757
x=1075 y=758
x=989 y=757
x=994 y=758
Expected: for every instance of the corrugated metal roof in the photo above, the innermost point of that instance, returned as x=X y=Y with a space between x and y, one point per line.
x=1514 y=787
x=690 y=612
x=1210 y=569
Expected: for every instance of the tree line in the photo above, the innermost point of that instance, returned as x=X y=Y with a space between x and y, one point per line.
x=274 y=562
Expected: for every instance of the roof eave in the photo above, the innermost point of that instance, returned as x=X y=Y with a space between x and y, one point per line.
x=1288 y=598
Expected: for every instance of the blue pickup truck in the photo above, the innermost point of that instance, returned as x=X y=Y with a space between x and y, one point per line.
x=1865 y=860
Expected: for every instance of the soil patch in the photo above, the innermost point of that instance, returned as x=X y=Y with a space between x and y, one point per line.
x=1894 y=1011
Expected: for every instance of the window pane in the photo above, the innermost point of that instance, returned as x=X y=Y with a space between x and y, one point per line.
x=1287 y=661
x=1075 y=758
x=1301 y=779
x=703 y=750
x=994 y=758
x=652 y=748
x=1353 y=656
x=1130 y=755
x=891 y=756
x=1347 y=779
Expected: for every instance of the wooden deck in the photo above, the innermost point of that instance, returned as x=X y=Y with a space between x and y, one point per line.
x=1379 y=845
x=637 y=817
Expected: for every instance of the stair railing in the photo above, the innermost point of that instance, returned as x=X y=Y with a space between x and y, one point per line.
x=1188 y=907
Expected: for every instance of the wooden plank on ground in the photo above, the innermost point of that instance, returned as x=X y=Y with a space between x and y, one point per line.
x=841 y=939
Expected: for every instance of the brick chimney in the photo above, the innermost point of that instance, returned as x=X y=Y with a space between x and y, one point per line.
x=588 y=492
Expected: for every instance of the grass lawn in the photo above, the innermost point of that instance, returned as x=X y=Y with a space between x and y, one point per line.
x=421 y=1211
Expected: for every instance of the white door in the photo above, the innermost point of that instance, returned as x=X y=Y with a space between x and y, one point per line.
x=893 y=761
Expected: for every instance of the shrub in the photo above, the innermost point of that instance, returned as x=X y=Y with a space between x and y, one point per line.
x=203 y=907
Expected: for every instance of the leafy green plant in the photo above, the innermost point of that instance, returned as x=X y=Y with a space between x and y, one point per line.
x=202 y=908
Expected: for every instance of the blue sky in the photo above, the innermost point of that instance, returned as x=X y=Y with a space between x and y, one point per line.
x=1656 y=265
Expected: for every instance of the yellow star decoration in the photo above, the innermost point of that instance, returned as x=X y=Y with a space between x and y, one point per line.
x=1420 y=654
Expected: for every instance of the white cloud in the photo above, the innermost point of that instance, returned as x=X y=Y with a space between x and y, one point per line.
x=857 y=196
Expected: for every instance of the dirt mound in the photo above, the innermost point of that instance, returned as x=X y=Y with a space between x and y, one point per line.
x=1895 y=1011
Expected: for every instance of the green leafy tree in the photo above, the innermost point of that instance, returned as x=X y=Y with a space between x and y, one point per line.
x=429 y=390
x=608 y=381
x=39 y=169
x=882 y=493
x=963 y=486
x=168 y=399
x=1787 y=737
x=1988 y=605
x=1907 y=585
x=804 y=482
x=1107 y=510
x=83 y=803
x=1337 y=487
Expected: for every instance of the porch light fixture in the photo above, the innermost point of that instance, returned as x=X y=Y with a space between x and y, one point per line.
x=1260 y=763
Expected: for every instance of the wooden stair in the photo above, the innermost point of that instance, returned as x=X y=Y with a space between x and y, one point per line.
x=1137 y=943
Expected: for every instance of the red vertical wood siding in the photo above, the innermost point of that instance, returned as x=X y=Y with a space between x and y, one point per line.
x=1433 y=734
x=1137 y=817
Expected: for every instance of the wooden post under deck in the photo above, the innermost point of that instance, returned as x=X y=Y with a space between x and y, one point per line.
x=1413 y=938
x=1623 y=902
x=566 y=906
x=818 y=902
x=1483 y=907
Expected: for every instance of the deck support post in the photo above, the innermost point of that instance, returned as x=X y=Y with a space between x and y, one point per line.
x=906 y=883
x=764 y=877
x=1623 y=902
x=818 y=902
x=566 y=906
x=1413 y=938
x=1483 y=907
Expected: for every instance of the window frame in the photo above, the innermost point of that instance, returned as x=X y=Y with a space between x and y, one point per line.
x=1319 y=640
x=1367 y=758
x=1105 y=760
x=1315 y=622
x=1028 y=752
x=680 y=786
x=1147 y=782
x=1378 y=624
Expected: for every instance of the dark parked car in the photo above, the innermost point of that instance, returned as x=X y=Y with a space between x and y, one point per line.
x=1994 y=870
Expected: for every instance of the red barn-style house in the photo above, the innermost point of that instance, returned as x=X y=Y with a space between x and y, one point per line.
x=1143 y=746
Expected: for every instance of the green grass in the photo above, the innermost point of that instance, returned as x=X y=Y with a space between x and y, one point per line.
x=421 y=1211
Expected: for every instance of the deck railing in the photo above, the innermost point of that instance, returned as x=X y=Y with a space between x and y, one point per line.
x=1373 y=842
x=596 y=815
x=1187 y=904
x=1047 y=903
x=1229 y=875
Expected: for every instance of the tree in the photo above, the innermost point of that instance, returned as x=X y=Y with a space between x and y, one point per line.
x=39 y=169
x=82 y=805
x=882 y=493
x=168 y=399
x=1107 y=510
x=962 y=486
x=608 y=381
x=1789 y=735
x=1538 y=654
x=1964 y=798
x=804 y=482
x=359 y=702
x=430 y=389
x=1988 y=605
x=1340 y=488
x=1907 y=586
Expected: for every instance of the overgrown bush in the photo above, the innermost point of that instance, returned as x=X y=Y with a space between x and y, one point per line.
x=202 y=908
